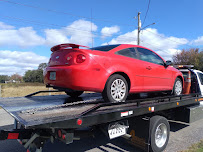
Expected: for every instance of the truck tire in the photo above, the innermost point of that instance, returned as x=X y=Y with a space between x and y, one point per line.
x=178 y=87
x=116 y=89
x=73 y=93
x=159 y=133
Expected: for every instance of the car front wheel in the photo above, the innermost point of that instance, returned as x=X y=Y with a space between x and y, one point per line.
x=116 y=89
x=178 y=87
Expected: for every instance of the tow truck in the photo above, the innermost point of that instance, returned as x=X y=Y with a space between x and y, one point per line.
x=141 y=121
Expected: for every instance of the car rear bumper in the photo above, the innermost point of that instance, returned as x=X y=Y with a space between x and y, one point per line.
x=76 y=78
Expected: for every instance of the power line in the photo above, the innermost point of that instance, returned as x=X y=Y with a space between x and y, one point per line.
x=65 y=13
x=61 y=26
x=45 y=24
x=40 y=23
x=122 y=38
x=146 y=12
x=79 y=16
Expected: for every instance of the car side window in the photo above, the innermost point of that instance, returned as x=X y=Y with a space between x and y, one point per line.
x=129 y=52
x=149 y=56
x=200 y=77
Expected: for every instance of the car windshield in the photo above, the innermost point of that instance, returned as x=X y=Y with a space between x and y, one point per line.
x=105 y=48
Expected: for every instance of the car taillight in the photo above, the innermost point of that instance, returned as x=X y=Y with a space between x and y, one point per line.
x=80 y=58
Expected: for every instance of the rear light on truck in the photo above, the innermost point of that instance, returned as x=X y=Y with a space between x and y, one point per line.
x=79 y=122
x=80 y=58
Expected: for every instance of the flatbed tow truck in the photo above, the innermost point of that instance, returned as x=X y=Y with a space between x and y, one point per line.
x=143 y=121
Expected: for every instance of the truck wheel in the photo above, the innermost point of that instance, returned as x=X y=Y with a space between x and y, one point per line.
x=73 y=93
x=159 y=133
x=178 y=87
x=116 y=89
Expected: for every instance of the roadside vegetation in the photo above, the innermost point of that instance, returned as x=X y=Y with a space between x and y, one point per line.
x=191 y=56
x=22 y=89
x=195 y=148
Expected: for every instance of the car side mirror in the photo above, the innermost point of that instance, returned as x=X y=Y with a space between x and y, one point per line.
x=168 y=63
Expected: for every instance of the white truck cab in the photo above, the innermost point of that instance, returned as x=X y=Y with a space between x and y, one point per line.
x=194 y=73
x=199 y=75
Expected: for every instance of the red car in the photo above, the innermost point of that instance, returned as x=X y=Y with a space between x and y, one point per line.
x=113 y=70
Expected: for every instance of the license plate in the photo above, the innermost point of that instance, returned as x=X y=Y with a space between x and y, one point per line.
x=52 y=76
x=117 y=131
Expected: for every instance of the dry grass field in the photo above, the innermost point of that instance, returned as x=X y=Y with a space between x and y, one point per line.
x=22 y=89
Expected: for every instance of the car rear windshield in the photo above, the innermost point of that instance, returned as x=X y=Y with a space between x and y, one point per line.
x=105 y=48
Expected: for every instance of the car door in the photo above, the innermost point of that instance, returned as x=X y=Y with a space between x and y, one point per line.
x=131 y=62
x=157 y=76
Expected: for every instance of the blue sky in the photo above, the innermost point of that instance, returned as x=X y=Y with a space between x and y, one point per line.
x=29 y=28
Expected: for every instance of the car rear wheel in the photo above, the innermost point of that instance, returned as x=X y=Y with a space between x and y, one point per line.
x=74 y=93
x=178 y=87
x=116 y=89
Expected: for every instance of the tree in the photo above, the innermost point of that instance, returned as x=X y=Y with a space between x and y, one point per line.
x=42 y=66
x=189 y=57
x=35 y=75
x=16 y=77
x=4 y=78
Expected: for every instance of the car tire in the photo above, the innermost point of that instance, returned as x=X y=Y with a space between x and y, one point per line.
x=178 y=87
x=74 y=93
x=159 y=133
x=116 y=89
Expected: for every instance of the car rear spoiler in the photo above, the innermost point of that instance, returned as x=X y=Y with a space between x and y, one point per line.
x=62 y=46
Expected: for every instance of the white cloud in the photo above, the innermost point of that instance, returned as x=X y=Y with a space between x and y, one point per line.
x=18 y=62
x=108 y=31
x=54 y=36
x=4 y=26
x=78 y=32
x=150 y=38
x=22 y=37
x=198 y=41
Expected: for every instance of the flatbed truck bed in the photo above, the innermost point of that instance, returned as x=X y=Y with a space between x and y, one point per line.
x=61 y=117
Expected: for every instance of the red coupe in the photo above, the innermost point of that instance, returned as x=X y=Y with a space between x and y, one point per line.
x=113 y=70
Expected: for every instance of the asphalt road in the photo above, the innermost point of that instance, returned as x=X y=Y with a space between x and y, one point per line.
x=181 y=137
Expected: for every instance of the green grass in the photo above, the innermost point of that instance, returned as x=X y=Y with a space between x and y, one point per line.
x=195 y=148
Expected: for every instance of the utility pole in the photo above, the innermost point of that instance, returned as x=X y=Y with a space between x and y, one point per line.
x=139 y=27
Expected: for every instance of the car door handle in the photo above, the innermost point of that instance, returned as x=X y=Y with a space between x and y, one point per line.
x=148 y=68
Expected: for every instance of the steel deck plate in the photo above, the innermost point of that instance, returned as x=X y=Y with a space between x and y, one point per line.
x=36 y=110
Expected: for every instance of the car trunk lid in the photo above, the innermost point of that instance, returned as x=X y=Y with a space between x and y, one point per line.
x=66 y=54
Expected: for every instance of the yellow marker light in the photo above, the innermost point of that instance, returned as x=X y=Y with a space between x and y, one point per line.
x=149 y=108
x=177 y=103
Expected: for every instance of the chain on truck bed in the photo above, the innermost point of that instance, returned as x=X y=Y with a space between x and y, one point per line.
x=33 y=111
